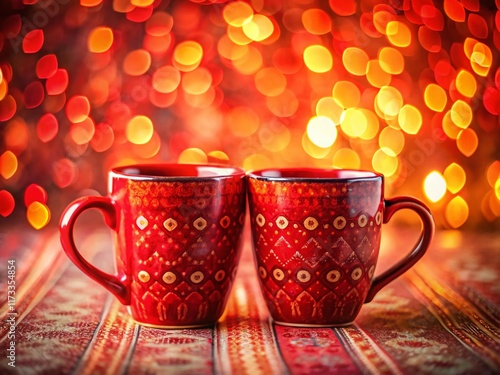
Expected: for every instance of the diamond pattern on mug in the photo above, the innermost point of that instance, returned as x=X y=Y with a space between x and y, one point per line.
x=170 y=224
x=141 y=222
x=200 y=223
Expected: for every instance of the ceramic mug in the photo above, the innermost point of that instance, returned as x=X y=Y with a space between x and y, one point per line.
x=178 y=235
x=316 y=238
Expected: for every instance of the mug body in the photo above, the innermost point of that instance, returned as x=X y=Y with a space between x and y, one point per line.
x=178 y=239
x=316 y=238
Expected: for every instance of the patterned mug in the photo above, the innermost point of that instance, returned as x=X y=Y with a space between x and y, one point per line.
x=178 y=240
x=316 y=237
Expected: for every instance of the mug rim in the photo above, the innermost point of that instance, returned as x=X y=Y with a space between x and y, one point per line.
x=309 y=174
x=159 y=172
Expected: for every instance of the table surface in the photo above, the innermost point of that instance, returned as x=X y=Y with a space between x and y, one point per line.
x=441 y=317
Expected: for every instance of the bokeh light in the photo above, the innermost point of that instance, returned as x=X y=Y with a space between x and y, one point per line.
x=434 y=186
x=408 y=90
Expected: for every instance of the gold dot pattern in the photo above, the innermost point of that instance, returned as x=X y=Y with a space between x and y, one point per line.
x=169 y=277
x=197 y=277
x=278 y=274
x=303 y=276
x=143 y=276
x=333 y=276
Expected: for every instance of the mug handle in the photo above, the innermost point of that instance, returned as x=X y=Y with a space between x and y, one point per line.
x=391 y=206
x=116 y=284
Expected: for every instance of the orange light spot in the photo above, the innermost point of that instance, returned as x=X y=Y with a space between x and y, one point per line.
x=467 y=142
x=166 y=79
x=343 y=8
x=159 y=24
x=270 y=82
x=141 y=3
x=57 y=83
x=90 y=3
x=381 y=18
x=384 y=163
x=218 y=156
x=3 y=89
x=376 y=76
x=82 y=132
x=47 y=127
x=493 y=173
x=457 y=212
x=139 y=130
x=242 y=121
x=429 y=39
x=140 y=14
x=398 y=33
x=477 y=26
x=157 y=44
x=33 y=41
x=187 y=55
x=137 y=62
x=100 y=39
x=250 y=62
x=7 y=203
x=316 y=21
x=354 y=123
x=454 y=10
x=321 y=131
x=481 y=59
x=148 y=149
x=38 y=215
x=466 y=83
x=33 y=95
x=103 y=137
x=237 y=35
x=8 y=164
x=389 y=101
x=346 y=94
x=449 y=127
x=410 y=119
x=258 y=28
x=8 y=107
x=455 y=177
x=435 y=97
x=392 y=141
x=329 y=107
x=197 y=82
x=162 y=100
x=391 y=60
x=35 y=193
x=355 y=61
x=434 y=186
x=237 y=13
x=346 y=158
x=461 y=114
x=77 y=108
x=491 y=100
x=46 y=66
x=432 y=17
x=192 y=156
x=372 y=124
x=318 y=59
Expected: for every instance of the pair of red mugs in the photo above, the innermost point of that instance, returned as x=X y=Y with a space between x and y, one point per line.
x=178 y=236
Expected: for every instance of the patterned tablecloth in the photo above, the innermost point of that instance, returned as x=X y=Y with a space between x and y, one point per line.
x=442 y=317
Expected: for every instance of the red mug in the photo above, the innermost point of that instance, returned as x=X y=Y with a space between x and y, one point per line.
x=316 y=238
x=178 y=240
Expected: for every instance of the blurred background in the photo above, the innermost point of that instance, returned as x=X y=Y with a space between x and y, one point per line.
x=410 y=89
